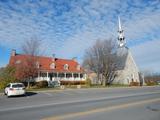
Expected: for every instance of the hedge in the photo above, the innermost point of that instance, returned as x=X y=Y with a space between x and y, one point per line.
x=72 y=82
x=134 y=84
x=41 y=84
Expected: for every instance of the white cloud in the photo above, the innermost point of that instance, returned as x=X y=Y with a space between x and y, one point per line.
x=143 y=24
x=68 y=29
x=147 y=55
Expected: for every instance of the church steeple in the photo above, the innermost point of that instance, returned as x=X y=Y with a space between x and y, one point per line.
x=121 y=38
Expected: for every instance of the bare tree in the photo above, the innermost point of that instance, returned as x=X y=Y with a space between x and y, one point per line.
x=100 y=59
x=151 y=77
x=28 y=69
x=32 y=47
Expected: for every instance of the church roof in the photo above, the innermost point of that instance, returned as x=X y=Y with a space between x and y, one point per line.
x=121 y=57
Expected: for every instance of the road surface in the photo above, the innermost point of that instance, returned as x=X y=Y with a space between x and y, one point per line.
x=138 y=103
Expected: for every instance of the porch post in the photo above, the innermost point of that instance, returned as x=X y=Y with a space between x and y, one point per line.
x=85 y=76
x=79 y=76
x=72 y=77
x=38 y=75
x=65 y=76
x=57 y=76
x=47 y=76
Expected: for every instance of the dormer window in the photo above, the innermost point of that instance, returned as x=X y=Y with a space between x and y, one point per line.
x=53 y=66
x=78 y=67
x=37 y=64
x=53 y=59
x=66 y=66
x=18 y=62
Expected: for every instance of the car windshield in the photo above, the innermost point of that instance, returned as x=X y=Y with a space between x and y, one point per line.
x=17 y=85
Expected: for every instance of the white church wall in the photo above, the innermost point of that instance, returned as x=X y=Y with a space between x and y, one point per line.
x=129 y=73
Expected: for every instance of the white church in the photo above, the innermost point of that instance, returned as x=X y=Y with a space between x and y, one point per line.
x=126 y=68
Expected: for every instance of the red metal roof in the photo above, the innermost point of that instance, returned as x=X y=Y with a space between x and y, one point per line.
x=45 y=62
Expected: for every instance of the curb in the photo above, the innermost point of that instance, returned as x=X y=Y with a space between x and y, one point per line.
x=41 y=91
x=70 y=89
x=1 y=93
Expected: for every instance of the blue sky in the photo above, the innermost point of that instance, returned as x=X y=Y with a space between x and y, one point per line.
x=68 y=27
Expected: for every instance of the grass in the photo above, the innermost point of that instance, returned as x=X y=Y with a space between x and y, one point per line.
x=42 y=89
x=66 y=87
x=1 y=90
x=119 y=85
x=73 y=87
x=95 y=86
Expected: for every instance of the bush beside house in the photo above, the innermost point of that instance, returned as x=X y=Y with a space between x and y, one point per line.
x=41 y=84
x=88 y=82
x=7 y=75
x=134 y=84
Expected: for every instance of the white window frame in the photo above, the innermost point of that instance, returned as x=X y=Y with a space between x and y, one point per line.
x=66 y=67
x=52 y=66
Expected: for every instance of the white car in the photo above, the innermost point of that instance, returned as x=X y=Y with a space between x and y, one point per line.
x=14 y=89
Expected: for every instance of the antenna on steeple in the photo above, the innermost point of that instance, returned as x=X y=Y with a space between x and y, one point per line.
x=119 y=24
x=121 y=38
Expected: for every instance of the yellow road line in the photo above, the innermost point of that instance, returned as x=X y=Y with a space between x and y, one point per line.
x=98 y=110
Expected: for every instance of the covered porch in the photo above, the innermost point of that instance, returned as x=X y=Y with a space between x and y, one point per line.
x=59 y=76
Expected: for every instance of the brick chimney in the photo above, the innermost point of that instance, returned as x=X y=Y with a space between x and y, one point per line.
x=13 y=53
x=53 y=57
x=74 y=59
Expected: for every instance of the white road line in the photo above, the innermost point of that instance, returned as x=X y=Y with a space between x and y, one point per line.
x=75 y=101
x=49 y=94
x=67 y=93
x=103 y=109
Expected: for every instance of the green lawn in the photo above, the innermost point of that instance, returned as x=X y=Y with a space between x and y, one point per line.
x=72 y=87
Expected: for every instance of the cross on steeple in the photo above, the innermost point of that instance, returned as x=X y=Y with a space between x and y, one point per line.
x=121 y=38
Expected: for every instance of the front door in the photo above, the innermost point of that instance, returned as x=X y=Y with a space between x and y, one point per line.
x=50 y=76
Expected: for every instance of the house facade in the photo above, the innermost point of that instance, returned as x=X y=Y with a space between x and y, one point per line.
x=52 y=69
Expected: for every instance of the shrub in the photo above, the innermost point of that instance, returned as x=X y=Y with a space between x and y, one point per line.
x=42 y=84
x=88 y=82
x=134 y=83
x=151 y=83
x=72 y=82
x=30 y=83
x=3 y=84
x=7 y=76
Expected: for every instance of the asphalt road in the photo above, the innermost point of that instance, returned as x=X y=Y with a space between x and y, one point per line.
x=84 y=104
